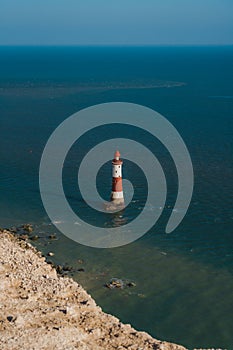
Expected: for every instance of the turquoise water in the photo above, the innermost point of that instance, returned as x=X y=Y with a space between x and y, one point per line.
x=183 y=280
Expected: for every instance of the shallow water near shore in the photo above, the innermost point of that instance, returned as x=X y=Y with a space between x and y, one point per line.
x=183 y=280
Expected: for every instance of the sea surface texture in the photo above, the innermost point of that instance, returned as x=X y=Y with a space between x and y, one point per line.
x=182 y=283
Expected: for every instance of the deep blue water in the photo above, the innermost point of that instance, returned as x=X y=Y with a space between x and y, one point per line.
x=183 y=280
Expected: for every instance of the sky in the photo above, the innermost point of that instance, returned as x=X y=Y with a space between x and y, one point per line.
x=119 y=22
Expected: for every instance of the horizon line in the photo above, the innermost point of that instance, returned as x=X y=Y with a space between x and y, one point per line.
x=114 y=45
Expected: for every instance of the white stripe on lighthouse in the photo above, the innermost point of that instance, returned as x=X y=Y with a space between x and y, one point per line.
x=116 y=171
x=117 y=195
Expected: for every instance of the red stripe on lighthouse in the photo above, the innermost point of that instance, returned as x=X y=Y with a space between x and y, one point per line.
x=117 y=184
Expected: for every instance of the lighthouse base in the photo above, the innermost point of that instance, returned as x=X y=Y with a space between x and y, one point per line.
x=116 y=204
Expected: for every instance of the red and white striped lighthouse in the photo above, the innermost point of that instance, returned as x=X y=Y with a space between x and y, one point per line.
x=117 y=196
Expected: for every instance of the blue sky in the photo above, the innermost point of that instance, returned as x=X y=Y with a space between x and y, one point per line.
x=119 y=22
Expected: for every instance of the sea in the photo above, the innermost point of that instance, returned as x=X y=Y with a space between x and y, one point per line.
x=182 y=288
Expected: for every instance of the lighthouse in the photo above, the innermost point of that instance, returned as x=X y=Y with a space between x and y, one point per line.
x=117 y=196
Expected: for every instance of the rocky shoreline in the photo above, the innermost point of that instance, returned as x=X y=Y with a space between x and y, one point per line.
x=40 y=309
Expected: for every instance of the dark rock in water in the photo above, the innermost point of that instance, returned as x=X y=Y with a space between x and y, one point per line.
x=67 y=268
x=59 y=269
x=34 y=238
x=115 y=283
x=119 y=283
x=131 y=284
x=52 y=236
x=50 y=254
x=23 y=237
x=28 y=228
x=64 y=270
x=81 y=270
